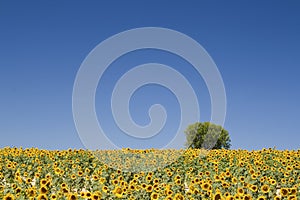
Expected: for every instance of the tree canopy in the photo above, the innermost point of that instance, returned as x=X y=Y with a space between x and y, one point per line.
x=207 y=135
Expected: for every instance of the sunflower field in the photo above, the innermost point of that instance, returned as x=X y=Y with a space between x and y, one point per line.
x=124 y=174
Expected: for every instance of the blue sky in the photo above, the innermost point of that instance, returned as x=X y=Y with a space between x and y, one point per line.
x=255 y=45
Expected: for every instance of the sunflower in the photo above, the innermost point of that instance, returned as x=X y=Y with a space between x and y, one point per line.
x=53 y=196
x=96 y=196
x=65 y=190
x=242 y=179
x=168 y=192
x=293 y=191
x=207 y=173
x=262 y=179
x=115 y=182
x=48 y=176
x=121 y=178
x=178 y=196
x=178 y=182
x=14 y=186
x=216 y=177
x=265 y=189
x=284 y=192
x=82 y=194
x=217 y=196
x=226 y=194
x=292 y=197
x=230 y=197
x=168 y=198
x=72 y=196
x=43 y=181
x=102 y=180
x=31 y=192
x=144 y=185
x=227 y=174
x=156 y=180
x=105 y=189
x=196 y=191
x=42 y=197
x=225 y=185
x=154 y=196
x=132 y=187
x=240 y=191
x=63 y=185
x=112 y=175
x=43 y=189
x=28 y=180
x=149 y=188
x=73 y=176
x=273 y=182
x=234 y=180
x=261 y=198
x=57 y=171
x=18 y=190
x=247 y=197
x=87 y=194
x=118 y=192
x=9 y=196
x=87 y=170
x=37 y=175
x=291 y=180
x=9 y=166
x=205 y=186
x=253 y=188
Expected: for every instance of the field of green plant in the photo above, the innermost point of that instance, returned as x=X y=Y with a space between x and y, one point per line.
x=149 y=174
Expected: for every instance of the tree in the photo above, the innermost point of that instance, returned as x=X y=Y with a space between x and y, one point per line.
x=207 y=135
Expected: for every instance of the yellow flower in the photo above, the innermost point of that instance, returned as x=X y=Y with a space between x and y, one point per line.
x=18 y=190
x=242 y=179
x=43 y=181
x=230 y=197
x=96 y=196
x=31 y=192
x=284 y=192
x=53 y=196
x=73 y=176
x=293 y=191
x=154 y=196
x=217 y=196
x=42 y=197
x=265 y=188
x=168 y=198
x=87 y=194
x=261 y=198
x=9 y=197
x=105 y=189
x=292 y=197
x=149 y=188
x=72 y=196
x=234 y=180
x=43 y=189
x=205 y=186
x=102 y=180
x=178 y=196
x=118 y=192
x=247 y=197
x=240 y=191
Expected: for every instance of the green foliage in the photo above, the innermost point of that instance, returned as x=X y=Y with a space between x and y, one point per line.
x=207 y=135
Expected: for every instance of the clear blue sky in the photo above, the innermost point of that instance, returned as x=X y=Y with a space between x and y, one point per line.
x=255 y=44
